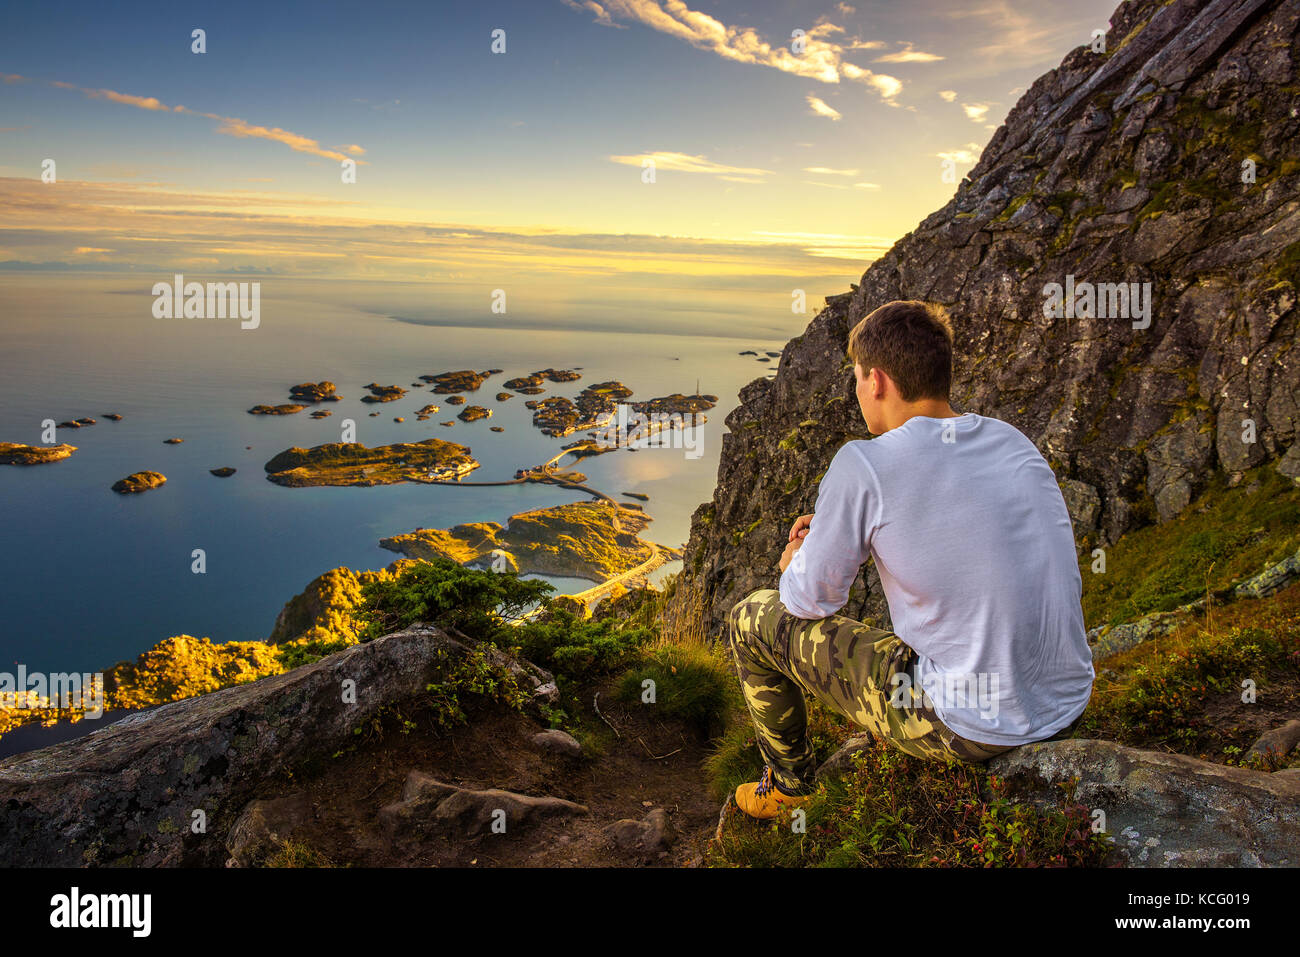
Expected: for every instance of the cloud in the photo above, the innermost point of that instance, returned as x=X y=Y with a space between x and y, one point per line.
x=948 y=95
x=908 y=55
x=888 y=86
x=822 y=59
x=233 y=126
x=975 y=111
x=867 y=186
x=227 y=125
x=1014 y=38
x=820 y=108
x=837 y=245
x=12 y=78
x=143 y=102
x=845 y=9
x=150 y=230
x=601 y=14
x=826 y=171
x=964 y=155
x=685 y=163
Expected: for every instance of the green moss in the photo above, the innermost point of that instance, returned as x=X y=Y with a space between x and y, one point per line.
x=1011 y=208
x=1287 y=266
x=1224 y=537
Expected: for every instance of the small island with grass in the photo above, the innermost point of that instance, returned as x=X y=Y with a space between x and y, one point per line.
x=599 y=541
x=12 y=453
x=349 y=463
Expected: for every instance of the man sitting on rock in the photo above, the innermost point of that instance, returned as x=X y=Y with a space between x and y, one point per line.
x=973 y=544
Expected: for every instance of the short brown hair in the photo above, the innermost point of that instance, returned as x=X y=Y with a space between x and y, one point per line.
x=911 y=342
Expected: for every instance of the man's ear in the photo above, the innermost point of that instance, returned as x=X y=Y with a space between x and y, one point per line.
x=878 y=383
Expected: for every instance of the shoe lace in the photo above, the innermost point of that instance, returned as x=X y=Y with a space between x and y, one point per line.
x=765 y=783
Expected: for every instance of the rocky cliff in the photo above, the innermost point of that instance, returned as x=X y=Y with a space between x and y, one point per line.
x=1169 y=163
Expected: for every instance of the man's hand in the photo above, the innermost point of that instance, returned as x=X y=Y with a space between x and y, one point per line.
x=798 y=531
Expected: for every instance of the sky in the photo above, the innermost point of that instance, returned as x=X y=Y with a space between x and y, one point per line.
x=788 y=140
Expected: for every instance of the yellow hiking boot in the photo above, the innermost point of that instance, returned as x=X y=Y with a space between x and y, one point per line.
x=762 y=799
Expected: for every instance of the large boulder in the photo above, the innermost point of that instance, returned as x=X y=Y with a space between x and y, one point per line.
x=1166 y=810
x=165 y=786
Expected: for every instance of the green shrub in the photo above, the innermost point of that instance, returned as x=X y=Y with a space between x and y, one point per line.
x=477 y=673
x=576 y=649
x=475 y=603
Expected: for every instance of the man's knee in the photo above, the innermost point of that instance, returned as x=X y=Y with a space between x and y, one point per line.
x=744 y=614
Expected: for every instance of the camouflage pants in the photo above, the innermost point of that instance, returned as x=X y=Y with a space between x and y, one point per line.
x=849 y=668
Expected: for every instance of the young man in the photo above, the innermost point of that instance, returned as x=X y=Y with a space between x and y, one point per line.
x=976 y=556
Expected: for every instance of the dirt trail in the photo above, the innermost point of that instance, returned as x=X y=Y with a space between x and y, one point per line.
x=653 y=764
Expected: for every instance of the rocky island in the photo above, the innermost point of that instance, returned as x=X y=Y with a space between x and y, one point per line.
x=383 y=393
x=598 y=541
x=322 y=391
x=534 y=379
x=285 y=409
x=472 y=413
x=592 y=409
x=12 y=453
x=349 y=463
x=139 y=482
x=462 y=380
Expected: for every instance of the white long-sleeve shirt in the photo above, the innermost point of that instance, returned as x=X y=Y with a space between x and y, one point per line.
x=976 y=556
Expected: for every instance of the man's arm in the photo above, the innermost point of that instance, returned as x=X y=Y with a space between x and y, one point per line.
x=825 y=561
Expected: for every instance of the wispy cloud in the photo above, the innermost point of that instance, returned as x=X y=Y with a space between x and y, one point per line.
x=226 y=125
x=948 y=95
x=600 y=13
x=820 y=108
x=822 y=58
x=963 y=155
x=836 y=245
x=908 y=55
x=12 y=78
x=827 y=171
x=976 y=111
x=866 y=186
x=685 y=163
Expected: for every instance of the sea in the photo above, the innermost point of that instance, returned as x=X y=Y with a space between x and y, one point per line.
x=89 y=577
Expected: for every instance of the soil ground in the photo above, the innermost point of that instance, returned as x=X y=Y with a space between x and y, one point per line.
x=652 y=763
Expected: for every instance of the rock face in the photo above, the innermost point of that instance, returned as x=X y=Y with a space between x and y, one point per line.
x=1167 y=810
x=128 y=793
x=1128 y=166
